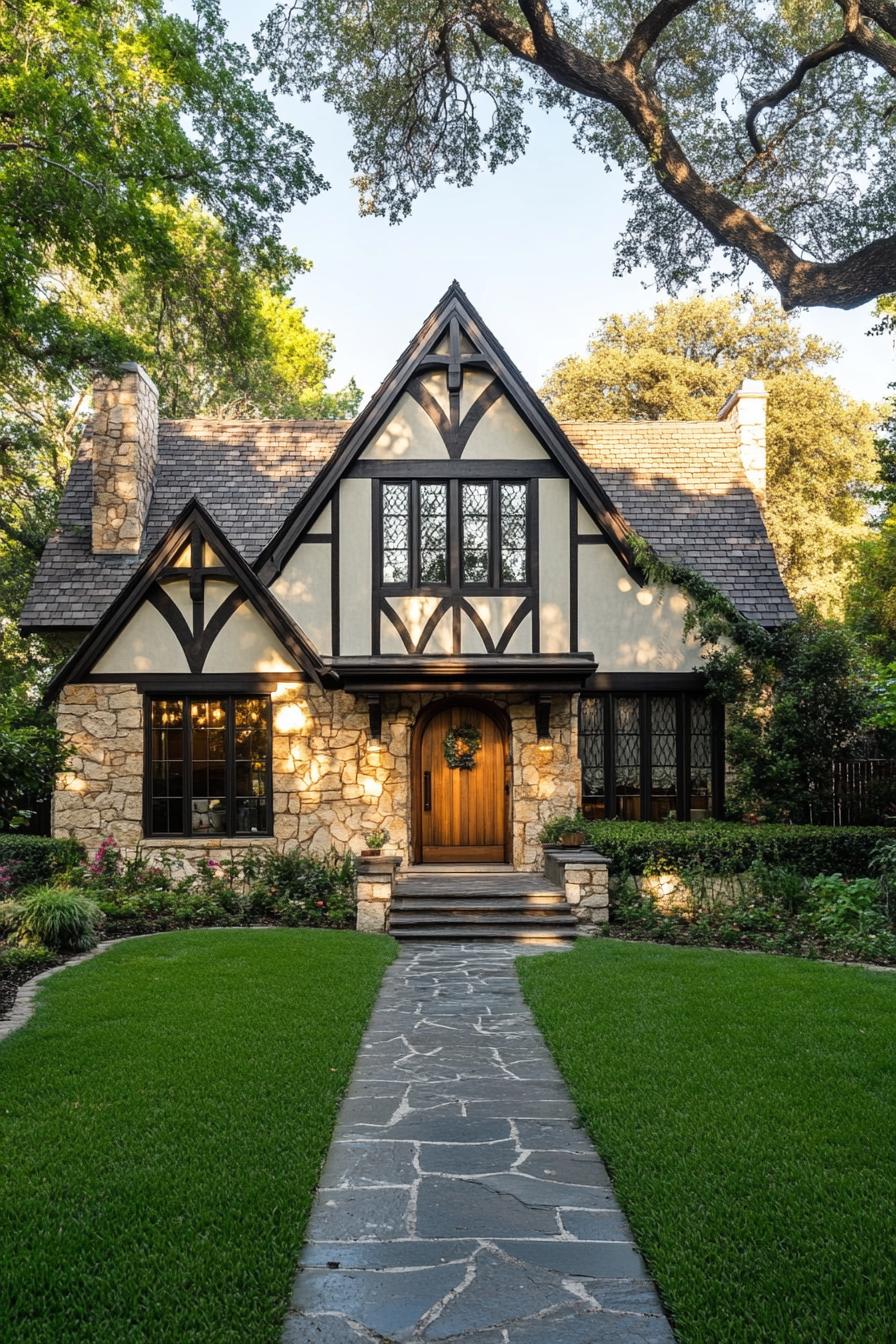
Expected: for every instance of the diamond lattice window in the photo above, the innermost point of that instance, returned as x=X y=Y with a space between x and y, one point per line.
x=434 y=533
x=475 y=524
x=514 y=500
x=396 y=533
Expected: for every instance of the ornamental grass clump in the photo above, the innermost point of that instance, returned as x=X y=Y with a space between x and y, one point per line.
x=60 y=918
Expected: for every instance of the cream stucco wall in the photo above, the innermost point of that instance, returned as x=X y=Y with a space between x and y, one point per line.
x=409 y=434
x=629 y=628
x=355 y=566
x=304 y=590
x=553 y=565
x=247 y=644
x=146 y=644
x=502 y=434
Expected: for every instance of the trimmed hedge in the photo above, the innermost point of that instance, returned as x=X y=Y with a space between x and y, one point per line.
x=35 y=859
x=730 y=847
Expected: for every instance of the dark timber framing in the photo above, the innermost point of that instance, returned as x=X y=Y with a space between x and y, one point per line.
x=507 y=672
x=454 y=593
x=192 y=527
x=205 y=691
x=453 y=317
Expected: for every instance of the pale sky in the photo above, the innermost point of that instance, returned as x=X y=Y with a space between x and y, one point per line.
x=531 y=245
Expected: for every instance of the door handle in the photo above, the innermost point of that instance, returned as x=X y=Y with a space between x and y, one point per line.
x=427 y=791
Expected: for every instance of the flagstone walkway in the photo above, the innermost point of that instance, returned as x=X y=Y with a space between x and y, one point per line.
x=461 y=1199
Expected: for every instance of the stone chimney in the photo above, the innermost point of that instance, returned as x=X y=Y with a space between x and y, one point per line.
x=745 y=412
x=125 y=452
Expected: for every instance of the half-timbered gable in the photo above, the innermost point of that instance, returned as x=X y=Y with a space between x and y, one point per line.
x=282 y=624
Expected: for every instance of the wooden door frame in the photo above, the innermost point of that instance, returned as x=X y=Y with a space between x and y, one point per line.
x=500 y=718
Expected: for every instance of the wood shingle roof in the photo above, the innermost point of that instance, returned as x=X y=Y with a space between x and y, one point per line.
x=678 y=484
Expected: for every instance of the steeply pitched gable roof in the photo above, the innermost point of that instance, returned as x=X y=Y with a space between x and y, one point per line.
x=143 y=586
x=680 y=485
x=453 y=317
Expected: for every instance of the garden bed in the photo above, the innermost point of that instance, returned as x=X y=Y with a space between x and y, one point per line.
x=55 y=904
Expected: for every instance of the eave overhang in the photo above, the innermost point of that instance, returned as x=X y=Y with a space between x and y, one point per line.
x=538 y=672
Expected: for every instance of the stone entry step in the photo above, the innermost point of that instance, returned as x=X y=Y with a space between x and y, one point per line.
x=479 y=905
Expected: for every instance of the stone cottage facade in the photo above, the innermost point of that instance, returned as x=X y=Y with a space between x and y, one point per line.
x=427 y=621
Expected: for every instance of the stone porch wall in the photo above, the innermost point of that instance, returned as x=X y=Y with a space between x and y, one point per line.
x=332 y=783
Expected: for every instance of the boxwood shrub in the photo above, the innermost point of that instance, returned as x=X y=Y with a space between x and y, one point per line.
x=730 y=847
x=33 y=859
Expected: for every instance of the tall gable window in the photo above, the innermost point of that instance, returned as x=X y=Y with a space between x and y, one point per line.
x=397 y=533
x=209 y=766
x=648 y=756
x=434 y=532
x=455 y=534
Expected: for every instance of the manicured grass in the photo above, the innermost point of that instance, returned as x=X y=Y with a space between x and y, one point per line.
x=745 y=1106
x=163 y=1119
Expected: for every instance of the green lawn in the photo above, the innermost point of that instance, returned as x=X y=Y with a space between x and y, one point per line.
x=163 y=1119
x=745 y=1106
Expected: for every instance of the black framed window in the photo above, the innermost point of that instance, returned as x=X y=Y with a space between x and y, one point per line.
x=434 y=532
x=513 y=500
x=476 y=531
x=700 y=758
x=455 y=534
x=209 y=766
x=396 y=515
x=651 y=755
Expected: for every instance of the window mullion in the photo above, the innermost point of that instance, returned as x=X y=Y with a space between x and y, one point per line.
x=414 y=535
x=230 y=763
x=646 y=757
x=188 y=764
x=494 y=533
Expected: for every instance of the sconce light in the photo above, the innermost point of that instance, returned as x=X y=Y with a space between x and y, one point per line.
x=375 y=713
x=543 y=721
x=290 y=719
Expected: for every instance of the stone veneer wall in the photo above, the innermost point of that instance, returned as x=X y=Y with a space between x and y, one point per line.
x=124 y=448
x=332 y=784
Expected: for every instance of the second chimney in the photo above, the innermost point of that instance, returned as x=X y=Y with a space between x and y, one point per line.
x=125 y=448
x=745 y=412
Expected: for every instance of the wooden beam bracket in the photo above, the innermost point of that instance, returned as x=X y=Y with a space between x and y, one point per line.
x=375 y=713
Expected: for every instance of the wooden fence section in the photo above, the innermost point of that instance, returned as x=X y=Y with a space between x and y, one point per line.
x=863 y=793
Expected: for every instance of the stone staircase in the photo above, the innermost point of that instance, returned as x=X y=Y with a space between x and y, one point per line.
x=479 y=903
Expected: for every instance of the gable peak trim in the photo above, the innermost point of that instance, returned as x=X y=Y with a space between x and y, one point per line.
x=193 y=521
x=456 y=315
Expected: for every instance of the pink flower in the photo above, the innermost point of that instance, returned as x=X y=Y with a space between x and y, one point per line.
x=106 y=857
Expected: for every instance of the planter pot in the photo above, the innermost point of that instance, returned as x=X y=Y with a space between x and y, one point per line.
x=572 y=839
x=371 y=853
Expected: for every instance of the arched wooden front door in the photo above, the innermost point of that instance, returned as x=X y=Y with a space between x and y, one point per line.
x=461 y=814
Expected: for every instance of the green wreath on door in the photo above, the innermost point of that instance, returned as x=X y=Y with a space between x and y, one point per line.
x=461 y=745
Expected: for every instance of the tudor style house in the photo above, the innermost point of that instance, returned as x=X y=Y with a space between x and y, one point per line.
x=300 y=632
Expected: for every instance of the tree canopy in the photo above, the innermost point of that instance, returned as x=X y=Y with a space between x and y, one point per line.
x=112 y=110
x=681 y=360
x=769 y=126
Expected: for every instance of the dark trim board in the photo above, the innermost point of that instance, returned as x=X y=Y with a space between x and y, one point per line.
x=428 y=672
x=192 y=523
x=447 y=470
x=168 y=683
x=647 y=681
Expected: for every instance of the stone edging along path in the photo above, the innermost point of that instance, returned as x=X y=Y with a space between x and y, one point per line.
x=462 y=1200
